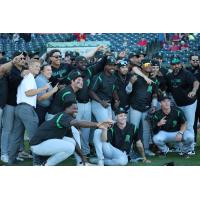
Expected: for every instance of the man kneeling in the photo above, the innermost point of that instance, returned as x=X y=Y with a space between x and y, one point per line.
x=59 y=139
x=113 y=145
x=169 y=125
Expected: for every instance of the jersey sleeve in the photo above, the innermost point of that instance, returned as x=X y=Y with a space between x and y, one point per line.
x=190 y=78
x=181 y=116
x=97 y=67
x=64 y=121
x=95 y=84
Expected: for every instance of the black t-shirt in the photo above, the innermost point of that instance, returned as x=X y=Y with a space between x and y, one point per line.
x=55 y=128
x=180 y=85
x=64 y=95
x=104 y=86
x=174 y=120
x=3 y=91
x=197 y=75
x=121 y=83
x=142 y=95
x=14 y=80
x=60 y=75
x=123 y=139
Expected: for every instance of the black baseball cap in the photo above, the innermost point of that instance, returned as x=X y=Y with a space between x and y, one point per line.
x=17 y=53
x=68 y=53
x=111 y=60
x=175 y=60
x=141 y=52
x=80 y=58
x=132 y=54
x=163 y=97
x=120 y=110
x=146 y=61
x=74 y=74
x=122 y=63
x=32 y=54
x=158 y=55
x=155 y=63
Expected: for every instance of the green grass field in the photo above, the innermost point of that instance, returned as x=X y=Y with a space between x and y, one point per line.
x=156 y=161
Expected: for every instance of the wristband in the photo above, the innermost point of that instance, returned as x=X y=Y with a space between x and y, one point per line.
x=180 y=132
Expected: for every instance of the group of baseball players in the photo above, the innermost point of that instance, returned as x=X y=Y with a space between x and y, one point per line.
x=104 y=108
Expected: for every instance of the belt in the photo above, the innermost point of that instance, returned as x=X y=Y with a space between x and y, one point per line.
x=84 y=101
x=25 y=104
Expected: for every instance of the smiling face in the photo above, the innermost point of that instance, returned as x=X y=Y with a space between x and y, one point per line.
x=165 y=104
x=34 y=67
x=55 y=58
x=47 y=71
x=121 y=118
x=78 y=83
x=109 y=69
x=123 y=70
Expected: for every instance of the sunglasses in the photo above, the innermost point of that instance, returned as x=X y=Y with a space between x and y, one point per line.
x=57 y=57
x=37 y=58
x=195 y=60
x=22 y=58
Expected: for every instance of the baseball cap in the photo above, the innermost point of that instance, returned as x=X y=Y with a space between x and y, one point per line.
x=32 y=54
x=74 y=74
x=175 y=60
x=146 y=62
x=120 y=110
x=68 y=53
x=80 y=58
x=158 y=55
x=98 y=54
x=141 y=52
x=122 y=63
x=163 y=97
x=132 y=54
x=17 y=53
x=155 y=63
x=111 y=60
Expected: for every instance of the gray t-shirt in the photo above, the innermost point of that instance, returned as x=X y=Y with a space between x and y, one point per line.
x=41 y=81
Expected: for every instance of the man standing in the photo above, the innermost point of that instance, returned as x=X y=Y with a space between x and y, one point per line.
x=123 y=77
x=142 y=97
x=103 y=90
x=83 y=98
x=15 y=76
x=54 y=138
x=113 y=145
x=183 y=87
x=195 y=69
x=169 y=125
x=25 y=115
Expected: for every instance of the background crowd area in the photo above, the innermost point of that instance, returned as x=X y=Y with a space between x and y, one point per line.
x=131 y=50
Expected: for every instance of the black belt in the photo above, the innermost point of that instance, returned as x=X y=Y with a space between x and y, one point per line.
x=84 y=101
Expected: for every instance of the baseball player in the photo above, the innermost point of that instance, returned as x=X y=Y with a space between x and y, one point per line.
x=113 y=145
x=183 y=86
x=83 y=98
x=55 y=138
x=142 y=97
x=103 y=90
x=66 y=94
x=169 y=125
